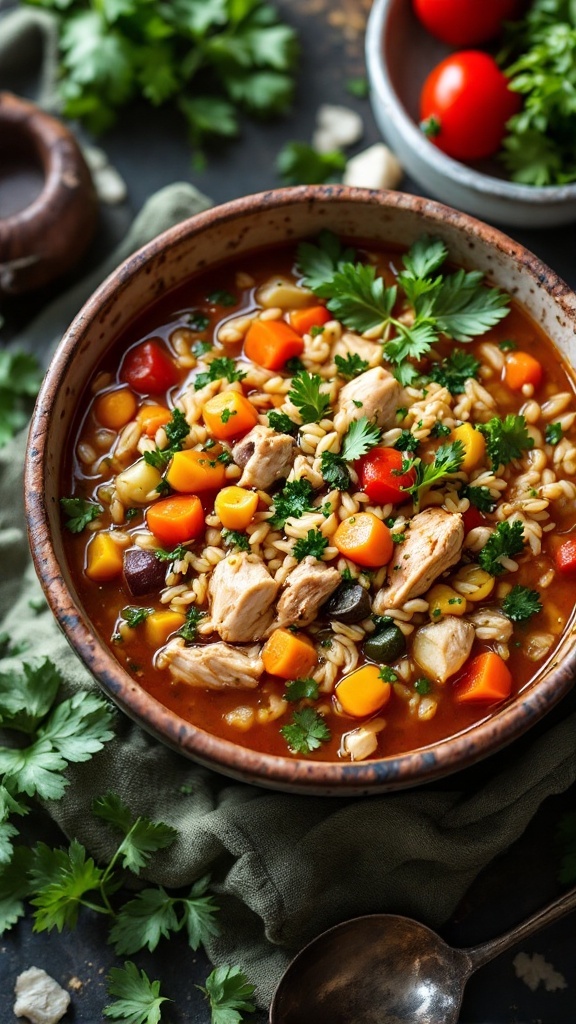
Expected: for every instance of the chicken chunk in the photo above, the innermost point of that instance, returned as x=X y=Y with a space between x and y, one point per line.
x=264 y=456
x=441 y=648
x=216 y=666
x=241 y=592
x=375 y=394
x=354 y=344
x=433 y=544
x=307 y=587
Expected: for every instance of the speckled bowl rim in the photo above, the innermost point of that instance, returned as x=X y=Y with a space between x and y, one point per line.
x=283 y=773
x=440 y=162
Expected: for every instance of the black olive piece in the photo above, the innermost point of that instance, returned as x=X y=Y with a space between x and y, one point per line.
x=349 y=603
x=385 y=646
x=143 y=572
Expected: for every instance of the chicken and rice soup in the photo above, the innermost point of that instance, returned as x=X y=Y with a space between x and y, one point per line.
x=322 y=504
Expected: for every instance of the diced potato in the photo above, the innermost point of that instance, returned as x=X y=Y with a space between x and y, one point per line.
x=134 y=484
x=282 y=293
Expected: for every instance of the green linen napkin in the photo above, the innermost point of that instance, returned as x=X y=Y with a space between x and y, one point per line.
x=285 y=867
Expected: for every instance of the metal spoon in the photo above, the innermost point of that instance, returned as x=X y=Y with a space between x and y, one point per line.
x=386 y=969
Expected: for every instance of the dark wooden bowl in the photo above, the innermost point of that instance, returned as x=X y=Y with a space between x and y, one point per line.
x=232 y=230
x=45 y=238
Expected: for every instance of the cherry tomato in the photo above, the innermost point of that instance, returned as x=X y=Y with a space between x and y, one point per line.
x=565 y=557
x=382 y=478
x=472 y=518
x=465 y=104
x=148 y=368
x=465 y=22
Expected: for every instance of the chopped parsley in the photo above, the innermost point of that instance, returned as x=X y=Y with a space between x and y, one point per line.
x=440 y=430
x=281 y=422
x=301 y=689
x=506 y=541
x=479 y=497
x=306 y=732
x=407 y=442
x=134 y=615
x=227 y=414
x=221 y=368
x=521 y=603
x=447 y=460
x=305 y=394
x=318 y=261
x=316 y=329
x=294 y=365
x=360 y=437
x=350 y=366
x=554 y=433
x=507 y=345
x=190 y=628
x=454 y=371
x=200 y=348
x=298 y=163
x=176 y=555
x=177 y=430
x=314 y=543
x=387 y=674
x=221 y=297
x=506 y=439
x=292 y=502
x=235 y=539
x=422 y=685
x=80 y=512
x=335 y=471
x=197 y=320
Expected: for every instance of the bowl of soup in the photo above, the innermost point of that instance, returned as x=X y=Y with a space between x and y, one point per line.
x=301 y=489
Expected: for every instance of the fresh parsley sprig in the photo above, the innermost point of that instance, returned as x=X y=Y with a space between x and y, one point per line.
x=361 y=436
x=306 y=395
x=351 y=365
x=314 y=543
x=455 y=370
x=292 y=502
x=301 y=689
x=506 y=439
x=177 y=430
x=79 y=513
x=447 y=460
x=506 y=541
x=521 y=603
x=138 y=999
x=306 y=732
x=221 y=368
x=229 y=994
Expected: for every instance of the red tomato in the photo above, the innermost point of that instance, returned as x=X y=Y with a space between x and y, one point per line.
x=464 y=105
x=381 y=476
x=148 y=368
x=565 y=557
x=465 y=22
x=472 y=518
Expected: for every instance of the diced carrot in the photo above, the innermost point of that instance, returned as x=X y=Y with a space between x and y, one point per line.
x=114 y=409
x=269 y=343
x=521 y=368
x=364 y=539
x=288 y=655
x=104 y=558
x=158 y=626
x=474 y=445
x=486 y=680
x=151 y=417
x=363 y=692
x=565 y=557
x=235 y=507
x=192 y=472
x=229 y=414
x=176 y=519
x=303 y=320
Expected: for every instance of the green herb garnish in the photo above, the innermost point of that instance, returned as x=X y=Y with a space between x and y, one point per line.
x=521 y=603
x=80 y=512
x=505 y=542
x=314 y=543
x=306 y=732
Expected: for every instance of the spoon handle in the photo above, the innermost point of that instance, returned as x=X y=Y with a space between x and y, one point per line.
x=480 y=955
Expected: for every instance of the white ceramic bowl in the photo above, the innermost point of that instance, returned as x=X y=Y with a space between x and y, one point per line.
x=399 y=55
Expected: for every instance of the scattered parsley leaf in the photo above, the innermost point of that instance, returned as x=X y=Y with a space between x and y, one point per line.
x=305 y=394
x=229 y=993
x=142 y=837
x=440 y=430
x=357 y=297
x=20 y=379
x=80 y=512
x=334 y=471
x=200 y=348
x=197 y=320
x=235 y=539
x=221 y=297
x=358 y=87
x=301 y=689
x=312 y=544
x=454 y=371
x=138 y=999
x=227 y=414
x=153 y=915
x=318 y=261
x=176 y=555
x=15 y=887
x=282 y=423
x=422 y=685
x=134 y=615
x=521 y=603
x=506 y=439
x=298 y=163
x=306 y=732
x=507 y=345
x=292 y=502
x=505 y=542
x=554 y=433
x=447 y=460
x=465 y=308
x=221 y=368
x=350 y=366
x=61 y=879
x=479 y=497
x=387 y=674
x=190 y=628
x=407 y=442
x=177 y=430
x=360 y=437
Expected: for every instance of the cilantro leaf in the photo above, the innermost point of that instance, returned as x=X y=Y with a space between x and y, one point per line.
x=221 y=368
x=80 y=512
x=305 y=394
x=292 y=502
x=521 y=603
x=319 y=261
x=138 y=999
x=142 y=837
x=454 y=371
x=505 y=542
x=314 y=543
x=334 y=471
x=506 y=439
x=360 y=437
x=306 y=732
x=229 y=993
x=20 y=379
x=61 y=880
x=235 y=539
x=301 y=689
x=351 y=365
x=298 y=163
x=358 y=298
x=282 y=423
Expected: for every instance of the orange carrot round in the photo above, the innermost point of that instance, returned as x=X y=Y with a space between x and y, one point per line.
x=521 y=368
x=114 y=409
x=192 y=472
x=269 y=343
x=152 y=417
x=486 y=680
x=364 y=539
x=176 y=519
x=235 y=507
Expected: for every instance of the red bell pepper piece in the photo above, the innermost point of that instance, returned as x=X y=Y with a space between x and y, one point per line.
x=565 y=557
x=381 y=476
x=148 y=368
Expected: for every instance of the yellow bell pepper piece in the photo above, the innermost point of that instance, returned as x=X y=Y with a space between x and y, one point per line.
x=235 y=507
x=443 y=600
x=474 y=445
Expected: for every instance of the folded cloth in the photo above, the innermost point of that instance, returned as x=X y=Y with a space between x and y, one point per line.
x=285 y=867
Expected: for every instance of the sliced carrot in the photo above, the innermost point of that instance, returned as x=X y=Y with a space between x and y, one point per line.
x=521 y=368
x=176 y=519
x=303 y=320
x=363 y=692
x=114 y=409
x=151 y=417
x=229 y=414
x=160 y=625
x=487 y=679
x=104 y=558
x=364 y=539
x=235 y=507
x=269 y=343
x=192 y=472
x=288 y=655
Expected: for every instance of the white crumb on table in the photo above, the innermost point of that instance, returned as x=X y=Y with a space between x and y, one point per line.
x=336 y=128
x=375 y=167
x=534 y=969
x=39 y=998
